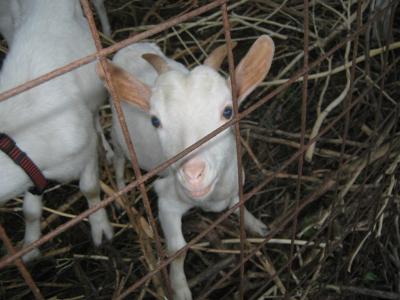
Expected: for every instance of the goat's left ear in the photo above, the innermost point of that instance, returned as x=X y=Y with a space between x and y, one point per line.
x=128 y=88
x=253 y=68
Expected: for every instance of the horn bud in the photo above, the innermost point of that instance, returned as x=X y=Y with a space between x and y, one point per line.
x=157 y=62
x=215 y=59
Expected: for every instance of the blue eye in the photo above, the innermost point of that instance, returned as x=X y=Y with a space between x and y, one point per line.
x=155 y=121
x=227 y=112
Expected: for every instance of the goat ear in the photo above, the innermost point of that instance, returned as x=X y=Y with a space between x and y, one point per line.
x=253 y=68
x=215 y=59
x=126 y=85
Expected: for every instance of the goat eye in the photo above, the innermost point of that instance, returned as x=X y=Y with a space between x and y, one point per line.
x=227 y=112
x=155 y=121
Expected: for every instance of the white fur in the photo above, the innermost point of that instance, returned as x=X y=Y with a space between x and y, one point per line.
x=189 y=106
x=53 y=122
x=12 y=13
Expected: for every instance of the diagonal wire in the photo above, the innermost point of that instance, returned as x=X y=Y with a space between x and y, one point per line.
x=20 y=265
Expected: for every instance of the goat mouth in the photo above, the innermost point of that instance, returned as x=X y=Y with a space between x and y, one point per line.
x=200 y=193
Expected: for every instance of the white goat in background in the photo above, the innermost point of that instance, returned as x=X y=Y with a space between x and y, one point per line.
x=12 y=13
x=53 y=122
x=183 y=106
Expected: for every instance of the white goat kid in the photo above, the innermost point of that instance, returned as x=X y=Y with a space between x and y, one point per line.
x=183 y=107
x=53 y=123
x=12 y=13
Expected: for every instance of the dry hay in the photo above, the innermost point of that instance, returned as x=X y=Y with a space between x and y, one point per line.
x=346 y=242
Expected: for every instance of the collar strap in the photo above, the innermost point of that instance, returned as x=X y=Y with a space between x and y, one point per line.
x=8 y=146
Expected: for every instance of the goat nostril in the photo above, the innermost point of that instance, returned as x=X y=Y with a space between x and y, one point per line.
x=193 y=175
x=194 y=170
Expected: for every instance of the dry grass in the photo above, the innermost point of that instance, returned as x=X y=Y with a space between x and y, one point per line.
x=346 y=243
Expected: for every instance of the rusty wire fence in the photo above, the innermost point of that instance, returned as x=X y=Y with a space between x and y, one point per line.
x=337 y=160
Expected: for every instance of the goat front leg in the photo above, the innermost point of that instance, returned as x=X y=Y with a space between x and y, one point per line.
x=170 y=215
x=32 y=209
x=251 y=223
x=89 y=185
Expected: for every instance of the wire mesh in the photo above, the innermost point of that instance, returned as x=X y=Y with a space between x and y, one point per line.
x=332 y=186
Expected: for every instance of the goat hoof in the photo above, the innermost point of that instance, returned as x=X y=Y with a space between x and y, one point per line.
x=260 y=228
x=31 y=255
x=263 y=230
x=109 y=157
x=100 y=227
x=106 y=230
x=183 y=293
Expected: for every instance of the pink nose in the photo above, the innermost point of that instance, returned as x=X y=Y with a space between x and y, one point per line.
x=194 y=171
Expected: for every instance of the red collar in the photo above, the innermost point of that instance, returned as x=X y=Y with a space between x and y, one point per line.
x=8 y=146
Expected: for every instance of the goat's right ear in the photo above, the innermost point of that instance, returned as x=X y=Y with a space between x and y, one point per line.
x=126 y=85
